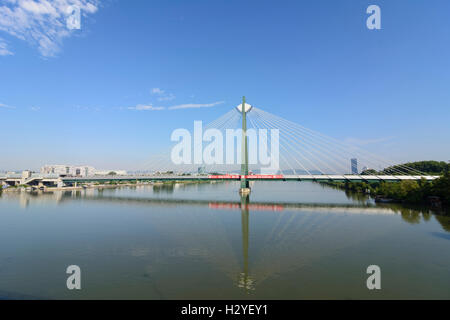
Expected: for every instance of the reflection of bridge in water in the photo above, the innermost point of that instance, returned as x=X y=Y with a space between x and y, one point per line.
x=274 y=252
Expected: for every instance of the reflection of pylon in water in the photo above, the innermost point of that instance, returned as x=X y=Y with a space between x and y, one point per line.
x=245 y=282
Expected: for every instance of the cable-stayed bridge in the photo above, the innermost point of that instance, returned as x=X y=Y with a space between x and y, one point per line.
x=258 y=146
x=250 y=177
x=302 y=154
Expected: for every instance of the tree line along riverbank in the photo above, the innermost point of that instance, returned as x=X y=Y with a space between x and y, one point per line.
x=436 y=192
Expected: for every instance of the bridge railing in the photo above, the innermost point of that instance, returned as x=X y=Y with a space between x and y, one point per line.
x=250 y=177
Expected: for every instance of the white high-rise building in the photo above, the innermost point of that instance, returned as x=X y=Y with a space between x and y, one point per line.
x=68 y=170
x=354 y=165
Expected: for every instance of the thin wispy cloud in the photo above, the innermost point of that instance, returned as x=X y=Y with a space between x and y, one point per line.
x=143 y=107
x=157 y=91
x=2 y=105
x=42 y=23
x=4 y=51
x=162 y=95
x=167 y=97
x=195 y=105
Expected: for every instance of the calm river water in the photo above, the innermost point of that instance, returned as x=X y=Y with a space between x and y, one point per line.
x=289 y=240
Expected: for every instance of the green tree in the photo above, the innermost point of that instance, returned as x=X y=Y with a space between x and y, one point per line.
x=429 y=167
x=369 y=172
x=441 y=188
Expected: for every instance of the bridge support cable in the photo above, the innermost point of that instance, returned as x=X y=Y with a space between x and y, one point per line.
x=295 y=158
x=221 y=126
x=230 y=124
x=338 y=144
x=254 y=125
x=345 y=146
x=163 y=161
x=297 y=145
x=323 y=152
x=289 y=146
x=230 y=114
x=340 y=158
x=265 y=125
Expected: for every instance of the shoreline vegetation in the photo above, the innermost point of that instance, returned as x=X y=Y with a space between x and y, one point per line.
x=435 y=193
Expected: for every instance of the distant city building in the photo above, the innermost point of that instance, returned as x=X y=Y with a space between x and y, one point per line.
x=79 y=171
x=354 y=165
x=26 y=174
x=68 y=170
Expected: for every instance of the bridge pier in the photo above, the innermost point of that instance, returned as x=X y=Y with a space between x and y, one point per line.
x=245 y=186
x=244 y=190
x=60 y=183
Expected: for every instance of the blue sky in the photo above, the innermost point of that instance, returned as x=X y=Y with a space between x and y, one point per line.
x=104 y=95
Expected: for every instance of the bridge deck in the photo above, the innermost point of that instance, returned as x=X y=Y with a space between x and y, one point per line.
x=355 y=178
x=236 y=177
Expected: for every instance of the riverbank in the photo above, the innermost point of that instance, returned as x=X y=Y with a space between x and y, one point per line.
x=100 y=186
x=435 y=193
